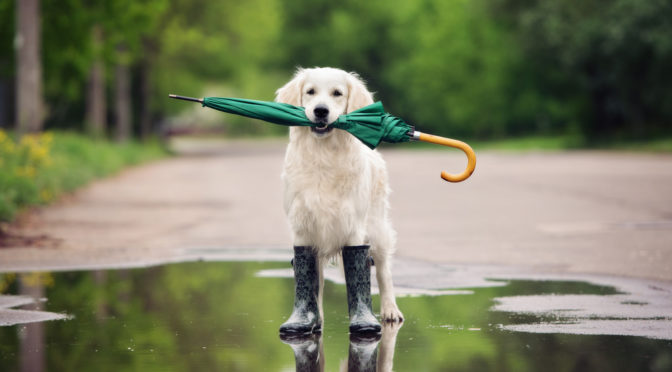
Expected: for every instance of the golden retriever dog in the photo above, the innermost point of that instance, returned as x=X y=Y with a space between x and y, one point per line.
x=336 y=188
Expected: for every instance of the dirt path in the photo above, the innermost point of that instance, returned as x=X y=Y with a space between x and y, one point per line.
x=576 y=212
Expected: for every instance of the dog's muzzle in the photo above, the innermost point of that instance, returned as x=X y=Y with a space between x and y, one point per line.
x=321 y=113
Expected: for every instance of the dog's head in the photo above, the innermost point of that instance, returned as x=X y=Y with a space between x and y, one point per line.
x=325 y=93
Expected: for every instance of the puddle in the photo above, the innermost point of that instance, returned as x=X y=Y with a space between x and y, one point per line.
x=225 y=316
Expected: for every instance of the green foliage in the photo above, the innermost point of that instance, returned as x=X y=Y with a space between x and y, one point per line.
x=459 y=71
x=658 y=145
x=496 y=68
x=38 y=168
x=610 y=58
x=481 y=69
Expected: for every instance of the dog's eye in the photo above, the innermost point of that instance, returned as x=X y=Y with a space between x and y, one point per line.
x=310 y=91
x=337 y=93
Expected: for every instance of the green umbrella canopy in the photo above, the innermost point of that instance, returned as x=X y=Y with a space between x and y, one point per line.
x=370 y=124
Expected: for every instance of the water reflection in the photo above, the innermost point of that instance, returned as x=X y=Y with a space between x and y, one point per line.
x=366 y=352
x=220 y=316
x=31 y=336
x=308 y=351
x=363 y=353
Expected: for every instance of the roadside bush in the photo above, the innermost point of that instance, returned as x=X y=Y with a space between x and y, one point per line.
x=37 y=168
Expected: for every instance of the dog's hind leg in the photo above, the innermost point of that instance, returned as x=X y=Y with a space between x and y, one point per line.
x=389 y=312
x=382 y=247
x=321 y=264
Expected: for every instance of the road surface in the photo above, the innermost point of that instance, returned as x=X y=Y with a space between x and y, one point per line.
x=556 y=212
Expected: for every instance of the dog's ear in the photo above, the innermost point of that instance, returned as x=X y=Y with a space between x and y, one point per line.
x=359 y=96
x=291 y=92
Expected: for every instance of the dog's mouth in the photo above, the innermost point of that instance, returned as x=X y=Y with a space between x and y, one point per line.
x=321 y=126
x=326 y=128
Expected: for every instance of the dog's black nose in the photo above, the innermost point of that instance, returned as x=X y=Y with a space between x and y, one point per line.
x=321 y=111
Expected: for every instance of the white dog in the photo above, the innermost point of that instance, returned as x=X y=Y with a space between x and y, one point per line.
x=336 y=188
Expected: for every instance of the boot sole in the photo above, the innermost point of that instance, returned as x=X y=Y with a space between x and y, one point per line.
x=301 y=331
x=363 y=329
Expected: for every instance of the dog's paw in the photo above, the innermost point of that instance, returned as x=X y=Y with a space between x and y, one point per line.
x=391 y=328
x=390 y=313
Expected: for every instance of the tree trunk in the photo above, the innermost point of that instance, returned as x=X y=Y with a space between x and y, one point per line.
x=150 y=48
x=145 y=99
x=29 y=105
x=96 y=109
x=6 y=102
x=122 y=96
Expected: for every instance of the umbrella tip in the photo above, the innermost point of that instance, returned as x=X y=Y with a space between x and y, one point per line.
x=186 y=98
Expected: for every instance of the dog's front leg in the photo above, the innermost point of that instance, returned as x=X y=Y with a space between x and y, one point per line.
x=320 y=271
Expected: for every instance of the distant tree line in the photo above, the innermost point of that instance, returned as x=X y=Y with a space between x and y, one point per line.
x=473 y=68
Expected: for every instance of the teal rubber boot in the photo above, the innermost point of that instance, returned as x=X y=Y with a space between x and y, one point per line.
x=305 y=317
x=357 y=267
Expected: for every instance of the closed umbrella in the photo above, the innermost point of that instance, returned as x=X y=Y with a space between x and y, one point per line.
x=370 y=124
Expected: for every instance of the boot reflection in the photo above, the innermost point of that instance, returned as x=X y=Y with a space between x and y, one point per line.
x=308 y=353
x=367 y=352
x=363 y=352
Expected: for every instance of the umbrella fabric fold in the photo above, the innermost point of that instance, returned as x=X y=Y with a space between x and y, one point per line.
x=370 y=124
x=274 y=112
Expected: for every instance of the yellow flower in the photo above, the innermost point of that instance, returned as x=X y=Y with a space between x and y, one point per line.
x=7 y=146
x=28 y=140
x=46 y=195
x=47 y=138
x=37 y=153
x=36 y=279
x=27 y=171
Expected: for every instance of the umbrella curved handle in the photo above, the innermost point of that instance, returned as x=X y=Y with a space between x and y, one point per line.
x=471 y=156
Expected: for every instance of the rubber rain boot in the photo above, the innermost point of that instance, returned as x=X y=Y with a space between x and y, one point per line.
x=357 y=267
x=305 y=317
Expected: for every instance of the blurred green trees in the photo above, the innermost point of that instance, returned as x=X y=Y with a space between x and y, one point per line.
x=470 y=68
x=604 y=64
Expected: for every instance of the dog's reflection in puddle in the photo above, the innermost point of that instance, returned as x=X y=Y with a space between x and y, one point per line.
x=367 y=352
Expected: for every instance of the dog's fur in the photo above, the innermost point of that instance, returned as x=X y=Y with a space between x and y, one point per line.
x=336 y=188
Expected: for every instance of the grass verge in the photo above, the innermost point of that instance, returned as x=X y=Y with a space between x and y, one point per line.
x=530 y=143
x=560 y=143
x=39 y=167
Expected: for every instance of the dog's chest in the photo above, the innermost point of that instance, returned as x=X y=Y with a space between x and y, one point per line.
x=319 y=187
x=329 y=179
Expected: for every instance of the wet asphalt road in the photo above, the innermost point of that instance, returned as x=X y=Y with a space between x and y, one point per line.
x=560 y=212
